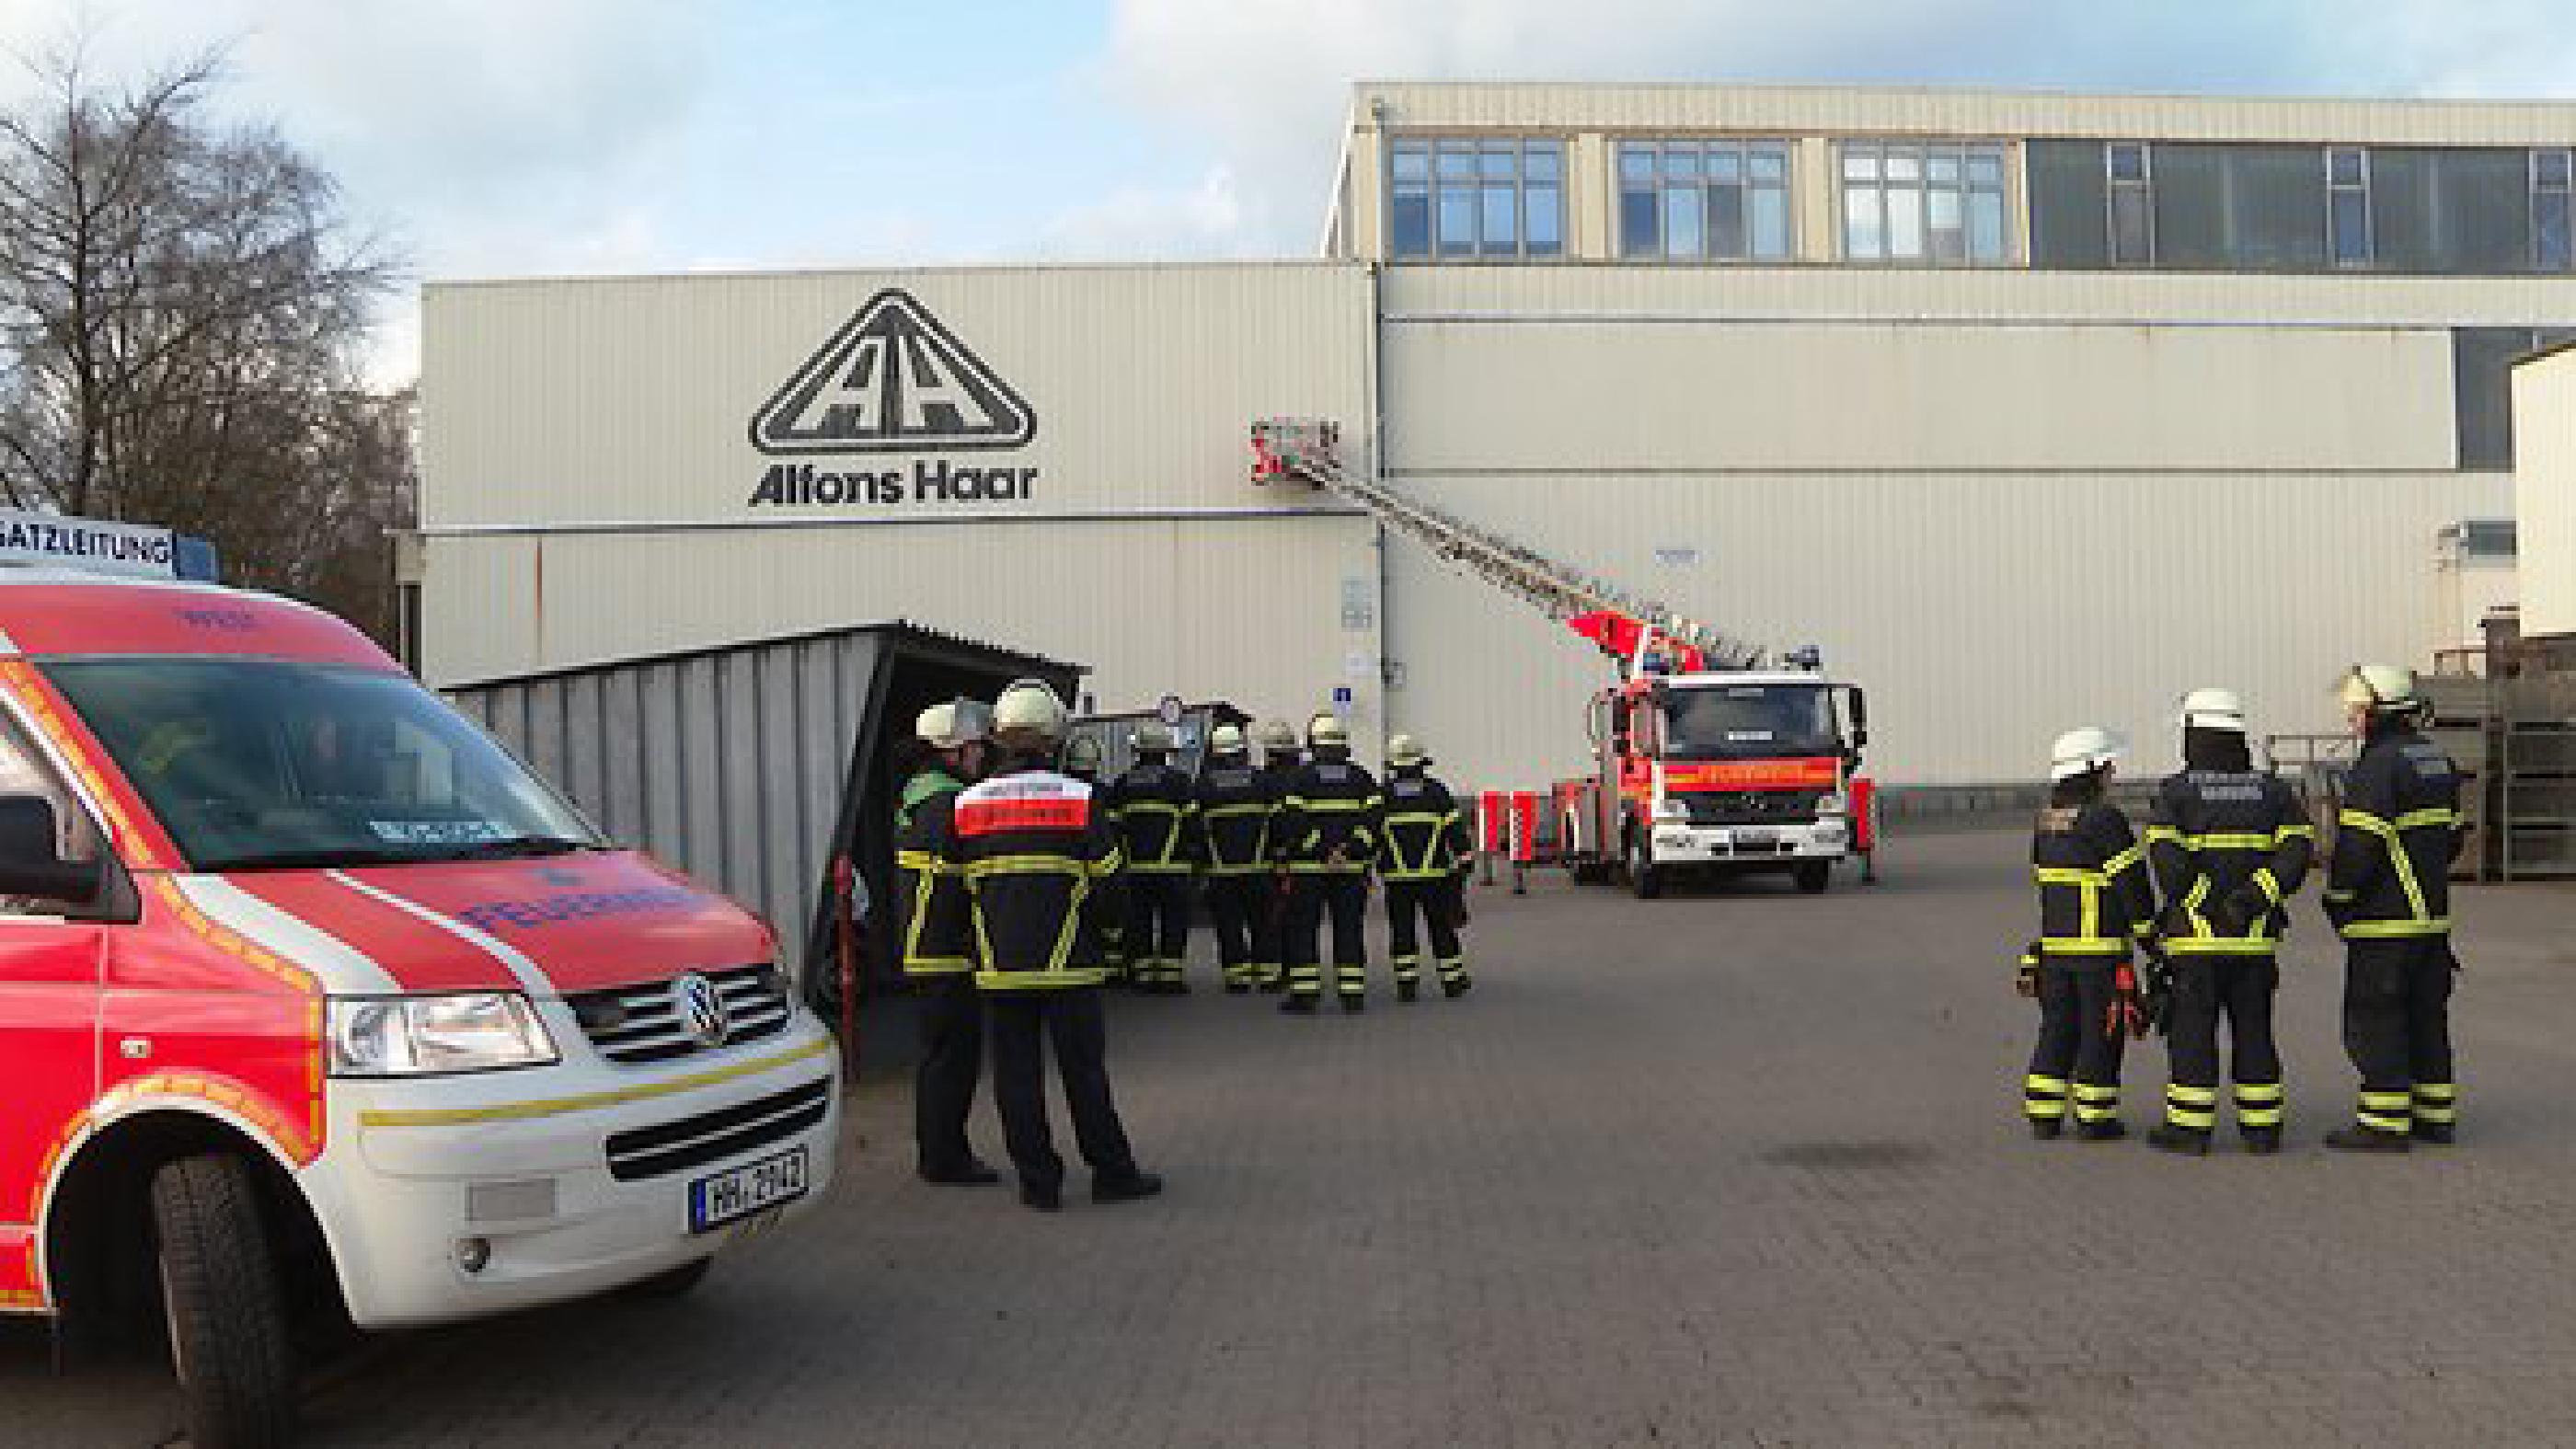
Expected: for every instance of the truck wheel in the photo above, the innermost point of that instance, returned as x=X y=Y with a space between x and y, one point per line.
x=671 y=1282
x=1645 y=881
x=1815 y=875
x=228 y=1324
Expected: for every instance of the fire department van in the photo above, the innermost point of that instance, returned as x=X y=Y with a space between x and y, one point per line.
x=315 y=1006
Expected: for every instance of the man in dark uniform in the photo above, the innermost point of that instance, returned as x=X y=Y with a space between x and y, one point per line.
x=2388 y=891
x=1329 y=828
x=2094 y=900
x=1237 y=806
x=938 y=951
x=1155 y=808
x=1040 y=862
x=1279 y=760
x=2228 y=844
x=1423 y=859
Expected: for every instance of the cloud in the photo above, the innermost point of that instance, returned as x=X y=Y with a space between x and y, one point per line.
x=1267 y=81
x=1210 y=218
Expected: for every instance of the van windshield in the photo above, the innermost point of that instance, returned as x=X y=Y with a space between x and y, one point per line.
x=1750 y=721
x=253 y=764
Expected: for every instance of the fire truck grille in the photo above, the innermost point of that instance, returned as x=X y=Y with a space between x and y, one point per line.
x=636 y=1025
x=714 y=1136
x=1751 y=807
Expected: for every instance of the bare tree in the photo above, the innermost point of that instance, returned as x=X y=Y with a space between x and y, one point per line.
x=182 y=306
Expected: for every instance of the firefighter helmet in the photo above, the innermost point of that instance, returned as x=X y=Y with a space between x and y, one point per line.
x=1404 y=752
x=953 y=724
x=2380 y=689
x=1326 y=731
x=1277 y=736
x=1029 y=710
x=1082 y=755
x=2083 y=751
x=1225 y=740
x=2213 y=709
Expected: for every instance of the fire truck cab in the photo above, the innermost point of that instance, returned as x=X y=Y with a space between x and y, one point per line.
x=316 y=1005
x=1740 y=770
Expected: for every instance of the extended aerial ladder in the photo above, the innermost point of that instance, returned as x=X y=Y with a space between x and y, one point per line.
x=1308 y=450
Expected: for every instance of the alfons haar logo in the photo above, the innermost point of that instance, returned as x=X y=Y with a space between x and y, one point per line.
x=893 y=379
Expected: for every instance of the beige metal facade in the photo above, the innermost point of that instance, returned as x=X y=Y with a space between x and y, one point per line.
x=2006 y=498
x=590 y=477
x=2544 y=470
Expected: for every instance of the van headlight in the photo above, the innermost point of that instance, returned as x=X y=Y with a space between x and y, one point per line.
x=418 y=1036
x=1832 y=803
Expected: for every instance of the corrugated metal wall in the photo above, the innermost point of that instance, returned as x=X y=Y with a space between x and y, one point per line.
x=2544 y=447
x=729 y=765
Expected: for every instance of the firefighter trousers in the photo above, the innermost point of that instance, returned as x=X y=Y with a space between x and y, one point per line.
x=1247 y=936
x=2397 y=1029
x=1435 y=903
x=1343 y=897
x=1157 y=937
x=1069 y=1017
x=2077 y=1061
x=2239 y=989
x=952 y=1057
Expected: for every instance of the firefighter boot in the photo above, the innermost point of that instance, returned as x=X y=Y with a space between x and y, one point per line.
x=2109 y=1129
x=1408 y=991
x=2358 y=1138
x=2190 y=1142
x=1132 y=1185
x=2261 y=1141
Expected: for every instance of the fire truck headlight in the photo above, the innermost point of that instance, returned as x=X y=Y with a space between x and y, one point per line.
x=1672 y=812
x=1832 y=803
x=415 y=1036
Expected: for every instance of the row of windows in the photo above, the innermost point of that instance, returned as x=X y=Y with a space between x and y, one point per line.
x=2217 y=206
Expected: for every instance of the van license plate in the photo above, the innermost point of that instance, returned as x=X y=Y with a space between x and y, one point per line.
x=718 y=1200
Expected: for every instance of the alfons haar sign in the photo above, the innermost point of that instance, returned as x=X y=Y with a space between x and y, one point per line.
x=892 y=380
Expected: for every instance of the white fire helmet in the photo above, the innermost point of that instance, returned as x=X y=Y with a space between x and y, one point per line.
x=2083 y=751
x=2213 y=709
x=1029 y=709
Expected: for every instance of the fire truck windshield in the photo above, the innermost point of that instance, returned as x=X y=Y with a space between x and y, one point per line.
x=259 y=764
x=1749 y=721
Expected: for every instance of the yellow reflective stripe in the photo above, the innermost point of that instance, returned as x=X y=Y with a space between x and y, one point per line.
x=2068 y=875
x=1228 y=812
x=936 y=965
x=1154 y=807
x=2091 y=925
x=1040 y=980
x=2364 y=820
x=2295 y=832
x=915 y=860
x=2192 y=1096
x=2270 y=884
x=1331 y=807
x=1416 y=817
x=591 y=1101
x=2396 y=930
x=2165 y=834
x=2191 y=907
x=2040 y=1086
x=2439 y=1092
x=924 y=883
x=2388 y=1101
x=1110 y=864
x=2229 y=841
x=2258 y=1116
x=2404 y=865
x=2219 y=946
x=2249 y=1094
x=2118 y=863
x=2089 y=1093
x=2197 y=1119
x=2441 y=1116
x=2419 y=819
x=976 y=870
x=2378 y=1122
x=2083 y=946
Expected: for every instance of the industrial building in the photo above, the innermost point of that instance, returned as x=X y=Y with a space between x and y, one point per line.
x=2029 y=410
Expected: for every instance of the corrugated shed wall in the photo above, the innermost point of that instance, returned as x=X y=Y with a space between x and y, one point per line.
x=2544 y=436
x=729 y=766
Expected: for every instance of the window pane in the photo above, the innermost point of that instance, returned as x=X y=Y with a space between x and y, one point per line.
x=1638 y=236
x=1943 y=169
x=1409 y=227
x=1726 y=165
x=1864 y=233
x=1502 y=219
x=1904 y=166
x=2344 y=166
x=1769 y=163
x=1682 y=236
x=1949 y=242
x=1770 y=224
x=1457 y=160
x=1726 y=221
x=1542 y=161
x=2550 y=238
x=1860 y=165
x=1985 y=227
x=2128 y=163
x=2130 y=244
x=1412 y=161
x=1457 y=221
x=1904 y=223
x=1499 y=160
x=1636 y=163
x=2550 y=168
x=1985 y=168
x=2351 y=228
x=1546 y=221
x=1681 y=163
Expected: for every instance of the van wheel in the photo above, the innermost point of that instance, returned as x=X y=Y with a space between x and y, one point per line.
x=220 y=1296
x=1645 y=881
x=673 y=1282
x=1814 y=876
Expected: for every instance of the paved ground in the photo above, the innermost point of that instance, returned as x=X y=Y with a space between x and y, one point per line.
x=1741 y=1168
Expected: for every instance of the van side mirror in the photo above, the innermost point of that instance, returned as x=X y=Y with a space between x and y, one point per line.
x=28 y=864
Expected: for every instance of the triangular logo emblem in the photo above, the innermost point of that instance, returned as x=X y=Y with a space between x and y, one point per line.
x=893 y=380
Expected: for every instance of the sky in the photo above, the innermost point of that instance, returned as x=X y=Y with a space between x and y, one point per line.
x=485 y=138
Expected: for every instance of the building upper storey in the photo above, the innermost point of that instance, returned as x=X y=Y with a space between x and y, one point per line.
x=1787 y=176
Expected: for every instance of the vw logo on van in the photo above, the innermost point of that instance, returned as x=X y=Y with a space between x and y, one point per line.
x=702 y=1010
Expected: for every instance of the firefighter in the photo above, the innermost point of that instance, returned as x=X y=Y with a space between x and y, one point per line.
x=2094 y=900
x=1082 y=762
x=1157 y=813
x=1237 y=807
x=1279 y=760
x=2388 y=892
x=1329 y=830
x=1039 y=857
x=937 y=949
x=2227 y=844
x=1082 y=759
x=1423 y=857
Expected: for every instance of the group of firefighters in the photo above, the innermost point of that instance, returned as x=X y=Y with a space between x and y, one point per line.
x=1027 y=884
x=2226 y=847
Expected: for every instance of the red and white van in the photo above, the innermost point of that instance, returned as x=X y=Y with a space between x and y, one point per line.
x=313 y=999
